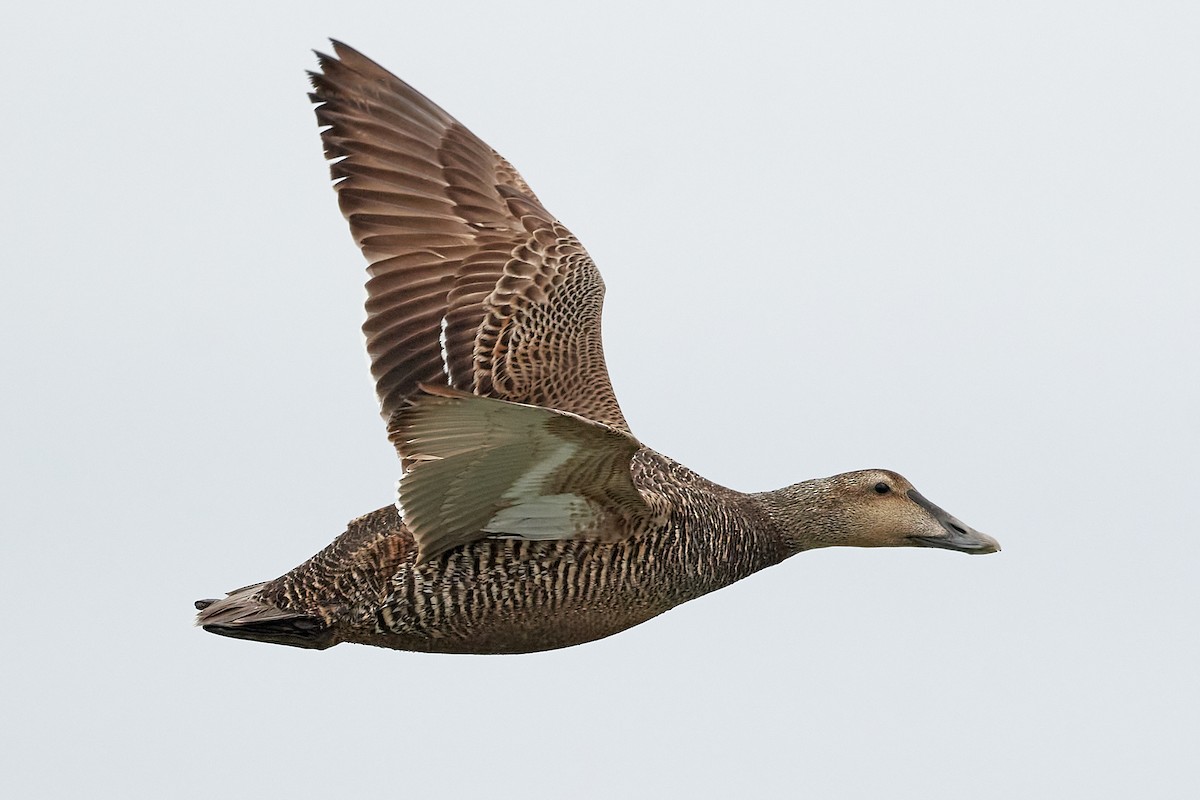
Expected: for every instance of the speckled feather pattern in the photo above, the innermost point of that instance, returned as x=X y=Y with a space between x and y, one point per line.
x=510 y=595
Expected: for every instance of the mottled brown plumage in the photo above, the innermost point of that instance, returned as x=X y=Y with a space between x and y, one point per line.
x=529 y=516
x=473 y=283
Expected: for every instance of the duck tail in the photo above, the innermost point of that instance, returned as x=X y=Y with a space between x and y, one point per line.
x=246 y=614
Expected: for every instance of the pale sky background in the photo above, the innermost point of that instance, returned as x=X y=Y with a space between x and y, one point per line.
x=955 y=240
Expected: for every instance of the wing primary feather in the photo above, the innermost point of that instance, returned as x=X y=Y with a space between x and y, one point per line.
x=420 y=190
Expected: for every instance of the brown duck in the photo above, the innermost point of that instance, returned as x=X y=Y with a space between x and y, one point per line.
x=528 y=517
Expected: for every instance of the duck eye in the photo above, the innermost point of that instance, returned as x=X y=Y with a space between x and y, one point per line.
x=882 y=488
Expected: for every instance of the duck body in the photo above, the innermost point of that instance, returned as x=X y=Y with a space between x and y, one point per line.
x=511 y=595
x=528 y=515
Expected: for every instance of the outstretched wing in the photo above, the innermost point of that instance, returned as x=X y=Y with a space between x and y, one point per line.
x=473 y=284
x=481 y=466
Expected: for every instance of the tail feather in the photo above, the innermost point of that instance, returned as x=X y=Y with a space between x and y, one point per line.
x=245 y=614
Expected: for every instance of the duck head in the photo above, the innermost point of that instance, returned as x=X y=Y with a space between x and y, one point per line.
x=868 y=508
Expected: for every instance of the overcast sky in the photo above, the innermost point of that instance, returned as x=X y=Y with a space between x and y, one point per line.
x=954 y=241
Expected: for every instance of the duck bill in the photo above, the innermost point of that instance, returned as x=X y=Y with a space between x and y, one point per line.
x=956 y=536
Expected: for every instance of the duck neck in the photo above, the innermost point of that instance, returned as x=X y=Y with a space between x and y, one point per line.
x=805 y=515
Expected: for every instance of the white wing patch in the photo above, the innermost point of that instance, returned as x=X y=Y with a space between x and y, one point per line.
x=529 y=484
x=540 y=517
x=445 y=352
x=480 y=466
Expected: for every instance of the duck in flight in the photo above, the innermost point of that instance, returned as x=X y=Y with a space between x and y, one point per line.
x=529 y=517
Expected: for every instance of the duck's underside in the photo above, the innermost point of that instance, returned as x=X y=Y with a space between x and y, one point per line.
x=494 y=595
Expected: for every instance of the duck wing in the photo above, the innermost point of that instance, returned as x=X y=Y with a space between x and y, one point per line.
x=473 y=284
x=481 y=467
